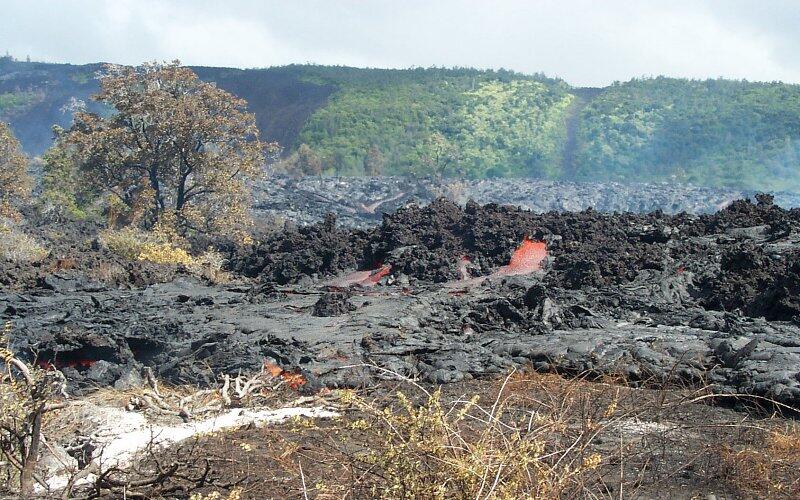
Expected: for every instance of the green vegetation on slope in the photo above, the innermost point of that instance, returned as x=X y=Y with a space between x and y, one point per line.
x=12 y=101
x=452 y=122
x=482 y=124
x=713 y=132
x=35 y=96
x=478 y=123
x=514 y=128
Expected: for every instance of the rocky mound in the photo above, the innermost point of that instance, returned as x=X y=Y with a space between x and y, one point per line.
x=742 y=257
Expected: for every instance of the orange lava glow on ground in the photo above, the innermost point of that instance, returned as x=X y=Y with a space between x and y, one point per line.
x=526 y=259
x=293 y=380
x=75 y=363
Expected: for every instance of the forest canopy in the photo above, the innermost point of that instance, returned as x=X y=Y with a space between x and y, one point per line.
x=493 y=124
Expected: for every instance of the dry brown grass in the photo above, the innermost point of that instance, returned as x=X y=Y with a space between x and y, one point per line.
x=768 y=467
x=463 y=449
x=529 y=435
x=109 y=272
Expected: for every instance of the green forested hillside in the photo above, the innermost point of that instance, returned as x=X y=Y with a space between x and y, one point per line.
x=478 y=123
x=713 y=132
x=456 y=122
x=14 y=101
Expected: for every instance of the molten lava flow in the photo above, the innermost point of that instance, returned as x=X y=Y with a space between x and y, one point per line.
x=81 y=363
x=526 y=259
x=293 y=380
x=364 y=278
x=73 y=363
x=273 y=369
x=376 y=276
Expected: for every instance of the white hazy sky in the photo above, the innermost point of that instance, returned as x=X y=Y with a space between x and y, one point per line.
x=585 y=42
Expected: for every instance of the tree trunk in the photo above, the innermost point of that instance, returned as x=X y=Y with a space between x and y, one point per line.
x=32 y=458
x=181 y=198
x=156 y=185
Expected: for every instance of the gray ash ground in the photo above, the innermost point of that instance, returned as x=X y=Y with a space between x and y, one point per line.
x=684 y=299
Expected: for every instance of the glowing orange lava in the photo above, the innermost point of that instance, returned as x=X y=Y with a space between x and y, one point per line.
x=526 y=259
x=292 y=379
x=364 y=278
x=73 y=363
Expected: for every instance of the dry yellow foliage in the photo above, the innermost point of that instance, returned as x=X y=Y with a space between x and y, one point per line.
x=175 y=145
x=15 y=183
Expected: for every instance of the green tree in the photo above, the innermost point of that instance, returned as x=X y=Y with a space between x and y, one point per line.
x=64 y=194
x=175 y=144
x=439 y=157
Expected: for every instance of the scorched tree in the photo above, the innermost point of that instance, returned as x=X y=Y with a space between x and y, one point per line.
x=15 y=183
x=173 y=145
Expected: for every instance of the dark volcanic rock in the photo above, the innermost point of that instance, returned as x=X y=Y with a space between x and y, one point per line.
x=358 y=202
x=652 y=297
x=333 y=304
x=296 y=253
x=641 y=330
x=736 y=258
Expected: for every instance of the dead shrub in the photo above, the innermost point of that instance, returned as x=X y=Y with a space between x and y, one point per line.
x=25 y=397
x=163 y=246
x=209 y=266
x=164 y=253
x=63 y=265
x=125 y=242
x=109 y=272
x=465 y=450
x=17 y=246
x=234 y=494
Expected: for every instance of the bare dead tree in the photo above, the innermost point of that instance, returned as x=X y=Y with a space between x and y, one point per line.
x=28 y=395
